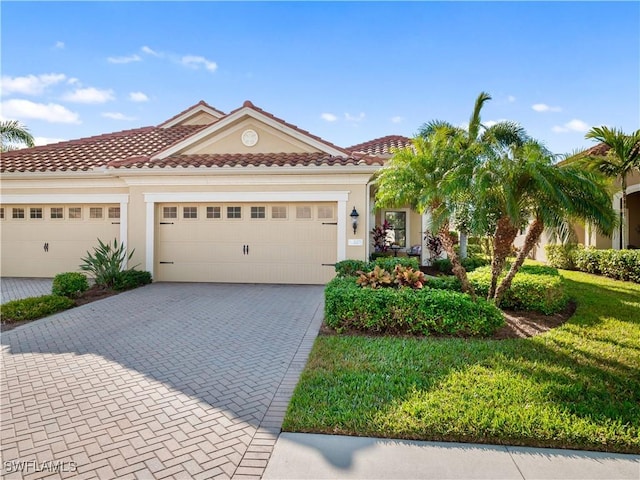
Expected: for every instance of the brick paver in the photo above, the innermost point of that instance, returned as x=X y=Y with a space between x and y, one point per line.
x=16 y=288
x=166 y=381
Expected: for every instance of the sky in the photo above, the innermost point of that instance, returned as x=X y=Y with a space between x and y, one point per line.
x=348 y=72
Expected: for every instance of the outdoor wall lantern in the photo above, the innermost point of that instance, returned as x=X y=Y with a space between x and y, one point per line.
x=354 y=219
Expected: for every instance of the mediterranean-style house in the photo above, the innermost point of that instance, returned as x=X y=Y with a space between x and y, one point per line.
x=204 y=196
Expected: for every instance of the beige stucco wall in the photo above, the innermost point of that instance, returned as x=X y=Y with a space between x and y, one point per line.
x=200 y=118
x=229 y=140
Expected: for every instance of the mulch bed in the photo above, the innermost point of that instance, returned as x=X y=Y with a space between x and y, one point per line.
x=94 y=293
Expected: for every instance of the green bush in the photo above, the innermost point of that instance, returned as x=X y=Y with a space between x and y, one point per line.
x=561 y=256
x=128 y=279
x=33 y=308
x=70 y=284
x=106 y=262
x=389 y=263
x=470 y=264
x=532 y=291
x=406 y=311
x=617 y=264
x=348 y=268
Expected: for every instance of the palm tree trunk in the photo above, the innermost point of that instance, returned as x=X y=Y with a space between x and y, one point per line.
x=531 y=239
x=458 y=269
x=503 y=238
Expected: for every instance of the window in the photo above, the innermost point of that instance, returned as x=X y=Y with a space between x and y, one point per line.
x=213 y=212
x=303 y=212
x=35 y=212
x=398 y=222
x=189 y=212
x=325 y=212
x=258 y=212
x=56 y=212
x=234 y=212
x=169 y=212
x=278 y=212
x=114 y=212
x=18 y=213
x=95 y=212
x=1 y=213
x=75 y=212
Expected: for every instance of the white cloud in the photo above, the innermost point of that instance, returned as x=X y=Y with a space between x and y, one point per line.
x=50 y=112
x=89 y=95
x=543 y=107
x=73 y=81
x=138 y=97
x=129 y=59
x=396 y=119
x=354 y=118
x=196 y=61
x=150 y=51
x=117 y=116
x=329 y=117
x=574 y=125
x=46 y=140
x=489 y=123
x=511 y=99
x=30 y=84
x=59 y=45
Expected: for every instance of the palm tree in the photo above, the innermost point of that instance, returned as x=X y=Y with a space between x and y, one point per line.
x=12 y=133
x=428 y=177
x=552 y=196
x=620 y=160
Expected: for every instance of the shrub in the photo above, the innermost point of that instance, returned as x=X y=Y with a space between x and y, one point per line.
x=620 y=264
x=399 y=277
x=533 y=290
x=587 y=260
x=70 y=284
x=128 y=279
x=421 y=312
x=561 y=256
x=348 y=268
x=470 y=264
x=33 y=308
x=106 y=262
x=389 y=263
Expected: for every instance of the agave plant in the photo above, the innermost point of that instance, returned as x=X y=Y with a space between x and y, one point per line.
x=106 y=262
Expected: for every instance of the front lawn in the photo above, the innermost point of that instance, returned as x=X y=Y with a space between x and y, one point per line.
x=577 y=386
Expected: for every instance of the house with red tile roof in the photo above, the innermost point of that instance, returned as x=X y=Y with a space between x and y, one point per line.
x=204 y=196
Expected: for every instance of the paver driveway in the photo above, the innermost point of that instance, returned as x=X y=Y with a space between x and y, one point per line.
x=166 y=381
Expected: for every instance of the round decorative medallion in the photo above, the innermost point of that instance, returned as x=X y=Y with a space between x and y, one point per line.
x=249 y=138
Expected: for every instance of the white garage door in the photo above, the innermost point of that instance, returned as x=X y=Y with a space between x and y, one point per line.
x=246 y=243
x=44 y=240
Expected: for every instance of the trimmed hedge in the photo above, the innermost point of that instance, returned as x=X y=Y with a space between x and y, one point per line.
x=128 y=279
x=470 y=264
x=534 y=288
x=33 y=308
x=616 y=264
x=348 y=268
x=69 y=284
x=419 y=312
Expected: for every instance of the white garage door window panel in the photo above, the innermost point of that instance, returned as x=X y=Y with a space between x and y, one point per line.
x=151 y=199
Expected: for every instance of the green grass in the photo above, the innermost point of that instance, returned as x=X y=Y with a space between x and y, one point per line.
x=577 y=386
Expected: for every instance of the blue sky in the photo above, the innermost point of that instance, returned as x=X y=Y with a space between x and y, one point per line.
x=348 y=72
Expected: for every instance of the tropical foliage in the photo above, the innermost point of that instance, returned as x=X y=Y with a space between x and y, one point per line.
x=106 y=262
x=14 y=135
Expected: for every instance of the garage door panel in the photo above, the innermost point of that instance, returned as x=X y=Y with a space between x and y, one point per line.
x=68 y=240
x=287 y=250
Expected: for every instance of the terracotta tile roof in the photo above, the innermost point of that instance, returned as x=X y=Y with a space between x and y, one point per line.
x=201 y=102
x=97 y=151
x=382 y=145
x=246 y=160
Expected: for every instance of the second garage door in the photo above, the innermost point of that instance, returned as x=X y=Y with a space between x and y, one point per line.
x=246 y=243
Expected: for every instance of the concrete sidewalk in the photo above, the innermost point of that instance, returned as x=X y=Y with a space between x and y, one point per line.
x=312 y=456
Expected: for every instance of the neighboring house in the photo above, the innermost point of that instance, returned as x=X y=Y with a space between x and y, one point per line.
x=203 y=197
x=587 y=236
